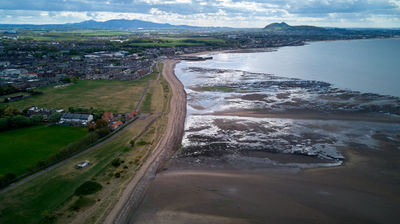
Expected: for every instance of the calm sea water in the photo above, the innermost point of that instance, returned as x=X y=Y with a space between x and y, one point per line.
x=371 y=66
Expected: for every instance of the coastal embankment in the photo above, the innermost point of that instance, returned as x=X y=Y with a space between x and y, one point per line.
x=169 y=141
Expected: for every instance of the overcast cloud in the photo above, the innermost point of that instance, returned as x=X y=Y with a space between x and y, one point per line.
x=233 y=13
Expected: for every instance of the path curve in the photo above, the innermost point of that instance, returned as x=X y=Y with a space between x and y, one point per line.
x=169 y=142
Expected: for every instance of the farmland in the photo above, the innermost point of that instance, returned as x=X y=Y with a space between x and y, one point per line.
x=174 y=42
x=72 y=35
x=21 y=149
x=107 y=95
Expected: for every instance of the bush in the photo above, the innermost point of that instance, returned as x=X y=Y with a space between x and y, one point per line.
x=6 y=179
x=81 y=202
x=142 y=143
x=103 y=132
x=66 y=80
x=132 y=143
x=117 y=175
x=89 y=187
x=100 y=123
x=116 y=162
x=48 y=217
x=55 y=117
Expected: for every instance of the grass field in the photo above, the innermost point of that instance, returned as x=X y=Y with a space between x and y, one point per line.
x=73 y=35
x=107 y=95
x=53 y=191
x=173 y=42
x=21 y=149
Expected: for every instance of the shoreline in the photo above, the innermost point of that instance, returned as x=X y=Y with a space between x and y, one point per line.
x=362 y=190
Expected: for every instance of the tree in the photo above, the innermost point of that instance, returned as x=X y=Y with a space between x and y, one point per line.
x=10 y=111
x=100 y=123
x=132 y=143
x=2 y=109
x=6 y=179
x=66 y=80
x=54 y=117
x=36 y=119
x=102 y=132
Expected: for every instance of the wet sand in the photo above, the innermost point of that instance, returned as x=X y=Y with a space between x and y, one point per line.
x=364 y=190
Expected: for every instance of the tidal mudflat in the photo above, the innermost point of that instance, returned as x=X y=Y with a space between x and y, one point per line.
x=240 y=115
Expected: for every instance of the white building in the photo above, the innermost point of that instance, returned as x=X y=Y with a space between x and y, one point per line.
x=81 y=119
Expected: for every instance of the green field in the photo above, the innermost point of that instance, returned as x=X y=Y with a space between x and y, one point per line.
x=73 y=35
x=114 y=96
x=173 y=42
x=21 y=149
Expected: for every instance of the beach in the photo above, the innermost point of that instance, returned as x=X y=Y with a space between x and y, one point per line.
x=260 y=148
x=363 y=190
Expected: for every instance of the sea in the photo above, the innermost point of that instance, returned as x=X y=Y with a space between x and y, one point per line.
x=368 y=66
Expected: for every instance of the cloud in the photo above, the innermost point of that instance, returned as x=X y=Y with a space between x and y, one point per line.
x=235 y=13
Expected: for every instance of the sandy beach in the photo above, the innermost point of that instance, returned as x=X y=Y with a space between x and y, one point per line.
x=363 y=190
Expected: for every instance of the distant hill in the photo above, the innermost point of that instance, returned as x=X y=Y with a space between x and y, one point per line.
x=115 y=24
x=123 y=24
x=285 y=28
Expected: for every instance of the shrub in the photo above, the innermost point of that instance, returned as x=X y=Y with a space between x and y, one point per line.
x=117 y=175
x=81 y=202
x=55 y=117
x=48 y=217
x=6 y=179
x=102 y=131
x=116 y=162
x=100 y=123
x=142 y=143
x=89 y=187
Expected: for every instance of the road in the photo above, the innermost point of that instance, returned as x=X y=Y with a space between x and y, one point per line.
x=169 y=141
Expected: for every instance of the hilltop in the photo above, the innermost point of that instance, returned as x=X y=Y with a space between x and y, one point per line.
x=285 y=28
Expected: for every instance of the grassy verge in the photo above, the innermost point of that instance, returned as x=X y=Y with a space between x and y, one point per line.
x=21 y=149
x=146 y=107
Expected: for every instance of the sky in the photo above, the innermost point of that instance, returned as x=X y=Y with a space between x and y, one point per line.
x=228 y=13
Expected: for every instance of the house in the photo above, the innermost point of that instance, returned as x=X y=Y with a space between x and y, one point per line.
x=132 y=114
x=16 y=98
x=107 y=116
x=39 y=111
x=78 y=119
x=4 y=64
x=116 y=125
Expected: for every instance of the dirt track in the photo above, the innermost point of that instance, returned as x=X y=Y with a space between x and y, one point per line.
x=134 y=192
